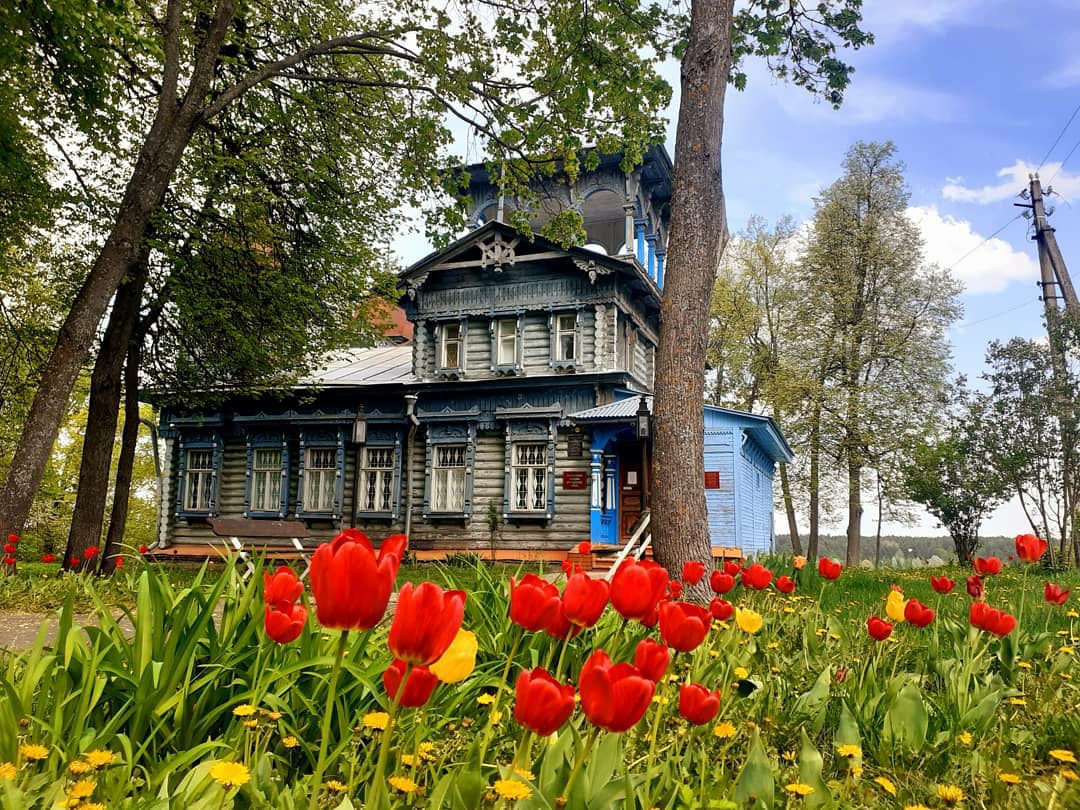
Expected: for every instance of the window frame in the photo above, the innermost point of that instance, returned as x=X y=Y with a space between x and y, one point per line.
x=450 y=472
x=327 y=439
x=364 y=470
x=440 y=435
x=260 y=442
x=462 y=341
x=556 y=360
x=535 y=432
x=531 y=480
x=498 y=364
x=197 y=443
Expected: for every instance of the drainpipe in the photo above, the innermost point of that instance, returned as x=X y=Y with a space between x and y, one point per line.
x=414 y=423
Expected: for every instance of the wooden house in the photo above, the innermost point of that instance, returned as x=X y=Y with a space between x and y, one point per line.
x=507 y=423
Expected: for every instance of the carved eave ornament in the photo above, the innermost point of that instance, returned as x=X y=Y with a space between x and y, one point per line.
x=592 y=269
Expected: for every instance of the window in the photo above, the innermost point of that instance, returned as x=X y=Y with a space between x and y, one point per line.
x=377 y=480
x=506 y=343
x=266 y=480
x=450 y=345
x=565 y=337
x=198 y=480
x=448 y=479
x=320 y=479
x=528 y=477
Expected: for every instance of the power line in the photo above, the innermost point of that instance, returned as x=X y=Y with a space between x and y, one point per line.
x=985 y=240
x=1062 y=166
x=966 y=324
x=1059 y=137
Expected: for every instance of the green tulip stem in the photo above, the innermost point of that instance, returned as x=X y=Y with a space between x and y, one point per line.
x=584 y=755
x=1023 y=594
x=523 y=749
x=379 y=781
x=562 y=653
x=328 y=716
x=489 y=727
x=653 y=734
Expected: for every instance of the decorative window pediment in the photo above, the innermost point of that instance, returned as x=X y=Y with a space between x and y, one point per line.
x=266 y=486
x=198 y=473
x=379 y=483
x=529 y=469
x=448 y=478
x=321 y=477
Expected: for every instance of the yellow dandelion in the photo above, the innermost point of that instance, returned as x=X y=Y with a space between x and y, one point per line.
x=1023 y=665
x=273 y=715
x=916 y=807
x=524 y=773
x=92 y=806
x=950 y=794
x=403 y=783
x=334 y=786
x=375 y=720
x=70 y=802
x=100 y=757
x=7 y=770
x=1066 y=773
x=486 y=699
x=230 y=774
x=426 y=750
x=724 y=730
x=496 y=717
x=1017 y=701
x=789 y=610
x=1067 y=650
x=512 y=789
x=799 y=789
x=742 y=672
x=79 y=767
x=1072 y=614
x=856 y=771
x=714 y=653
x=965 y=737
x=1010 y=778
x=408 y=760
x=290 y=741
x=772 y=645
x=244 y=710
x=1063 y=755
x=251 y=724
x=886 y=784
x=849 y=750
x=82 y=789
x=789 y=756
x=33 y=751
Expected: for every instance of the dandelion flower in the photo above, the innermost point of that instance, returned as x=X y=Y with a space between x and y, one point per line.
x=789 y=756
x=230 y=774
x=856 y=771
x=496 y=717
x=486 y=699
x=334 y=786
x=244 y=710
x=92 y=806
x=849 y=751
x=1017 y=701
x=375 y=720
x=916 y=807
x=1063 y=755
x=512 y=789
x=426 y=751
x=79 y=767
x=886 y=784
x=82 y=789
x=290 y=741
x=724 y=730
x=1010 y=778
x=100 y=757
x=950 y=794
x=273 y=715
x=799 y=789
x=1066 y=773
x=1023 y=665
x=408 y=760
x=524 y=773
x=742 y=672
x=251 y=724
x=7 y=770
x=965 y=737
x=403 y=783
x=33 y=751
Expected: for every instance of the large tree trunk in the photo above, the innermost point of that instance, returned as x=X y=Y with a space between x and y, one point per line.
x=789 y=508
x=160 y=155
x=855 y=510
x=814 y=484
x=88 y=516
x=698 y=234
x=126 y=462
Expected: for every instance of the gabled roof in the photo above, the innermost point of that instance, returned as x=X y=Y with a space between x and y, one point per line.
x=381 y=365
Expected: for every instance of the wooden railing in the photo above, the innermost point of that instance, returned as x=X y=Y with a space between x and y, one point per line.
x=636 y=545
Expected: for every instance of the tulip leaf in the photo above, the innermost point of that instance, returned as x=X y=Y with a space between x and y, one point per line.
x=812 y=705
x=978 y=717
x=810 y=765
x=605 y=757
x=555 y=767
x=755 y=782
x=907 y=720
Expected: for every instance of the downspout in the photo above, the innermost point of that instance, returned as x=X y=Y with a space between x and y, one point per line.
x=414 y=424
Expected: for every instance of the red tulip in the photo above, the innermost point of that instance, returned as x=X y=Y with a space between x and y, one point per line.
x=418 y=686
x=721 y=582
x=584 y=599
x=533 y=601
x=1030 y=548
x=993 y=621
x=732 y=568
x=541 y=703
x=985 y=566
x=683 y=625
x=144 y=549
x=721 y=609
x=584 y=547
x=119 y=563
x=785 y=584
x=942 y=584
x=10 y=548
x=560 y=627
x=652 y=659
x=283 y=588
x=917 y=613
x=613 y=696
x=284 y=621
x=9 y=560
x=91 y=551
x=975 y=586
x=352 y=586
x=48 y=558
x=841 y=673
x=692 y=572
x=757 y=577
x=674 y=589
x=637 y=587
x=13 y=538
x=829 y=569
x=425 y=622
x=697 y=704
x=1055 y=595
x=878 y=628
x=570 y=568
x=73 y=562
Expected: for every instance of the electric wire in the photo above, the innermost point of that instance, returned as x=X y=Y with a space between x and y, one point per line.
x=984 y=241
x=966 y=324
x=1060 y=135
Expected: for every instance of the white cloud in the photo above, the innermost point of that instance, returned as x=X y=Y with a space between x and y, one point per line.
x=989 y=269
x=1016 y=178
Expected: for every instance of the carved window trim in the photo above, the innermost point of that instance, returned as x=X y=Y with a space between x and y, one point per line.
x=209 y=442
x=498 y=363
x=257 y=442
x=531 y=432
x=314 y=439
x=441 y=435
x=555 y=327
x=381 y=444
x=442 y=369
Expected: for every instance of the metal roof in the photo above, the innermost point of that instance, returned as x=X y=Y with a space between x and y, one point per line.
x=619 y=409
x=381 y=365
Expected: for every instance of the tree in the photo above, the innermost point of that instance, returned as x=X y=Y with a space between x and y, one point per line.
x=884 y=314
x=954 y=477
x=540 y=82
x=797 y=44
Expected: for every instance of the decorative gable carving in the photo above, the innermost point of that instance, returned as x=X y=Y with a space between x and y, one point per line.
x=592 y=269
x=496 y=252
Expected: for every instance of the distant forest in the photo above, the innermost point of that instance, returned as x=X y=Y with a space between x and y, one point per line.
x=905 y=551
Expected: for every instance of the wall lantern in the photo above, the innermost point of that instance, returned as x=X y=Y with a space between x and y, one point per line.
x=359 y=427
x=643 y=427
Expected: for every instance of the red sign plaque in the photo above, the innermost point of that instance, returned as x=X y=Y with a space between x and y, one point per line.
x=575 y=479
x=712 y=479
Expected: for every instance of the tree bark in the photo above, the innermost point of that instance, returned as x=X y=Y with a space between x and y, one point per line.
x=696 y=242
x=789 y=508
x=855 y=510
x=814 y=483
x=126 y=462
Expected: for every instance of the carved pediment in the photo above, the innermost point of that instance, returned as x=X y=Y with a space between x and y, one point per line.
x=592 y=269
x=497 y=252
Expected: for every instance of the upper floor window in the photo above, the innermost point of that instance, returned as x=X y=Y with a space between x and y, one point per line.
x=506 y=338
x=448 y=479
x=266 y=480
x=320 y=479
x=199 y=480
x=566 y=337
x=450 y=345
x=528 y=477
x=377 y=480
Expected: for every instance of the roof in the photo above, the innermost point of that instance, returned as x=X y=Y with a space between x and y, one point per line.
x=762 y=428
x=381 y=365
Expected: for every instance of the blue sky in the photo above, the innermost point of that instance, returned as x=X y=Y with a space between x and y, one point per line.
x=973 y=93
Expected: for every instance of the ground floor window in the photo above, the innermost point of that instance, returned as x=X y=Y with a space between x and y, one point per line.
x=377 y=480
x=266 y=480
x=198 y=480
x=528 y=477
x=320 y=479
x=448 y=479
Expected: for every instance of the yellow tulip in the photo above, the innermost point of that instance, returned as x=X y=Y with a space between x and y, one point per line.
x=459 y=660
x=748 y=620
x=895 y=606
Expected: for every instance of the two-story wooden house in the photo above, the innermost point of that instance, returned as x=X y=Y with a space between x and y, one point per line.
x=516 y=402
